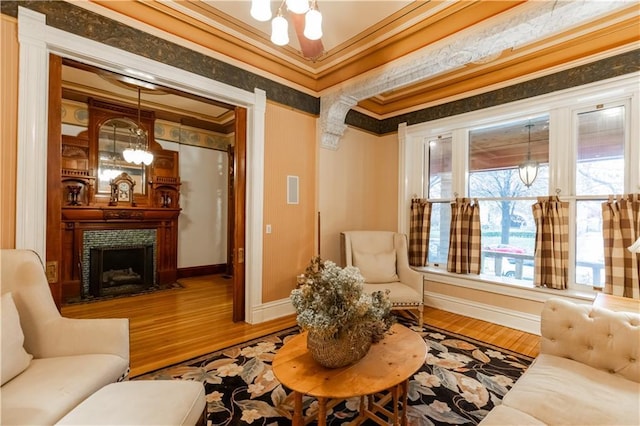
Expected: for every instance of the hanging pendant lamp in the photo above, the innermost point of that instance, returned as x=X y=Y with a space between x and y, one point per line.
x=528 y=170
x=139 y=153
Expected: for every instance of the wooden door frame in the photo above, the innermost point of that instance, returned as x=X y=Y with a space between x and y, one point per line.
x=236 y=207
x=239 y=208
x=54 y=187
x=230 y=208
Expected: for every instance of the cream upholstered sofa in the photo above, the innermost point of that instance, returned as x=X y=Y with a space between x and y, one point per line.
x=587 y=373
x=382 y=257
x=50 y=364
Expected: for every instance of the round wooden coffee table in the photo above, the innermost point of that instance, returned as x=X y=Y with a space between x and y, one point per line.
x=382 y=375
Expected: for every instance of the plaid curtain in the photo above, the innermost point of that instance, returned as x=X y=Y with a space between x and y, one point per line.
x=464 y=237
x=551 y=256
x=419 y=229
x=620 y=229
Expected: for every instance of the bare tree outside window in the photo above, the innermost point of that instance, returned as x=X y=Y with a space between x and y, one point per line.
x=508 y=231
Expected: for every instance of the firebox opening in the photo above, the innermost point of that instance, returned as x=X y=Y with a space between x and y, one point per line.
x=120 y=270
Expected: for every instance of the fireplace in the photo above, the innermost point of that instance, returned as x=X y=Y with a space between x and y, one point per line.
x=120 y=270
x=105 y=272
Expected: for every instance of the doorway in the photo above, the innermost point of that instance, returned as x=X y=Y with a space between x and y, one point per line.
x=183 y=120
x=33 y=133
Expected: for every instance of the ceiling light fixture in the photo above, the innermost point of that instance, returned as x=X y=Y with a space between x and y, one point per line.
x=313 y=23
x=298 y=6
x=279 y=30
x=529 y=169
x=261 y=11
x=139 y=153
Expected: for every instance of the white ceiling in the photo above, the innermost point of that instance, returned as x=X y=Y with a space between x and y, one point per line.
x=342 y=19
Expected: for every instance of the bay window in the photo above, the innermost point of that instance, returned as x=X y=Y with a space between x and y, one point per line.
x=586 y=147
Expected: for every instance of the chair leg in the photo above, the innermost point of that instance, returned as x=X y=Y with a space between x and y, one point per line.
x=420 y=315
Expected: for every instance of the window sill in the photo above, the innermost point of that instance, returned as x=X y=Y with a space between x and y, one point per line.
x=505 y=286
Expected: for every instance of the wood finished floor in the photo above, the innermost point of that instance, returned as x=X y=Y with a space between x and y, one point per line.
x=167 y=327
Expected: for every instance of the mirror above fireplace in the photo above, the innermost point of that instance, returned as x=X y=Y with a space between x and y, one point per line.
x=114 y=136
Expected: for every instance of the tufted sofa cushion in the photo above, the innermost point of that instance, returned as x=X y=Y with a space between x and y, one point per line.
x=560 y=391
x=596 y=337
x=586 y=373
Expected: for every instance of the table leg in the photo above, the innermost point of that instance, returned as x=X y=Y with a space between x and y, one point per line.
x=396 y=393
x=404 y=390
x=322 y=411
x=297 y=409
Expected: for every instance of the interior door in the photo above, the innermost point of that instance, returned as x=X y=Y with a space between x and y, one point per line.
x=239 y=208
x=230 y=210
x=54 y=187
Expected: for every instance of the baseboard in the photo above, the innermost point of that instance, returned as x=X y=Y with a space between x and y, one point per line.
x=272 y=310
x=197 y=271
x=501 y=316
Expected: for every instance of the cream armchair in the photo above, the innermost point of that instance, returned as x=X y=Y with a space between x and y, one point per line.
x=382 y=257
x=50 y=364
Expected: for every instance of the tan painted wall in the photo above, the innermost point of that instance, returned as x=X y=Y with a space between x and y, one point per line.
x=358 y=187
x=290 y=150
x=8 y=129
x=483 y=297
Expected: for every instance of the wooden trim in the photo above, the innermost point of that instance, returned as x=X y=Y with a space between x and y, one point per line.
x=240 y=192
x=54 y=186
x=198 y=271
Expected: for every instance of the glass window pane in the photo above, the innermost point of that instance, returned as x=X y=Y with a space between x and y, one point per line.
x=495 y=153
x=439 y=235
x=439 y=168
x=589 y=243
x=508 y=238
x=600 y=166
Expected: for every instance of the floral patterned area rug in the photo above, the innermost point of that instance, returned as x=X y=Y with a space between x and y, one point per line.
x=461 y=380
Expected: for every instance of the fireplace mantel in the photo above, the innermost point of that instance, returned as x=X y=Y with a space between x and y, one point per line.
x=108 y=213
x=79 y=219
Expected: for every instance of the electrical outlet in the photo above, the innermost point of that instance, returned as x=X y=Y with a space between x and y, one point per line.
x=268 y=229
x=51 y=271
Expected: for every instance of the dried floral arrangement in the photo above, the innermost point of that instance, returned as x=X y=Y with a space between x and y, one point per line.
x=330 y=301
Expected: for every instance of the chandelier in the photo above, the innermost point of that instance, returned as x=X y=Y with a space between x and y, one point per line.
x=138 y=153
x=261 y=11
x=529 y=169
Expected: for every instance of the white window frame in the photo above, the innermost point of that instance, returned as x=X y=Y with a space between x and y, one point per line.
x=570 y=183
x=561 y=107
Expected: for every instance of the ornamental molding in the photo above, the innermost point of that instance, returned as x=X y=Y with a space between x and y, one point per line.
x=332 y=120
x=480 y=44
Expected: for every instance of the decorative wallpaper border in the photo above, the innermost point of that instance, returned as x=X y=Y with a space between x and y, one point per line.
x=172 y=132
x=70 y=18
x=77 y=114
x=603 y=69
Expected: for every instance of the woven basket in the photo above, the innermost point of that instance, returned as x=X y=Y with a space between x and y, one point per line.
x=337 y=352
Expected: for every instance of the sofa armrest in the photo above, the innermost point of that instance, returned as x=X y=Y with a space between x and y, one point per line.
x=67 y=336
x=597 y=337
